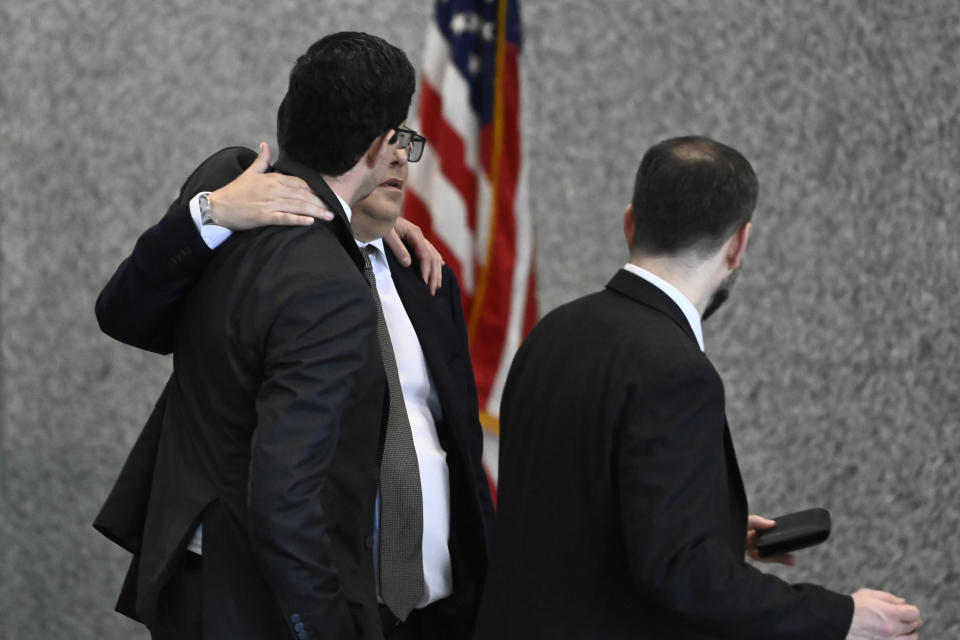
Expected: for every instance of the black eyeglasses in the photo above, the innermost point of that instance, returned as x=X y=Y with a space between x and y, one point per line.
x=412 y=141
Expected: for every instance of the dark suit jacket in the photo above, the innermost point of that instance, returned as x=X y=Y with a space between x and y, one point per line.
x=213 y=421
x=621 y=512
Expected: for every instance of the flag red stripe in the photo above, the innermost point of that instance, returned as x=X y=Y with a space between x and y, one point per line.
x=417 y=212
x=449 y=147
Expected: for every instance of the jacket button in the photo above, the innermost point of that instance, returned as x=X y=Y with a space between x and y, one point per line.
x=295 y=618
x=298 y=627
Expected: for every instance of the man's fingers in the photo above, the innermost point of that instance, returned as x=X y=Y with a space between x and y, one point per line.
x=436 y=278
x=396 y=246
x=262 y=163
x=787 y=559
x=908 y=613
x=426 y=272
x=287 y=219
x=759 y=522
x=431 y=264
x=886 y=596
x=292 y=182
x=314 y=209
x=902 y=619
x=908 y=629
x=289 y=188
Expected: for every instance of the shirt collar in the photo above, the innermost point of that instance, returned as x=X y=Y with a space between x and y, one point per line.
x=379 y=257
x=682 y=301
x=346 y=207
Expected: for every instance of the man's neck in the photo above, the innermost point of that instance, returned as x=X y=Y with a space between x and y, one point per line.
x=688 y=278
x=344 y=185
x=365 y=230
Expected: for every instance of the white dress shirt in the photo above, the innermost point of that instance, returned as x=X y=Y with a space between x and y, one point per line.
x=423 y=410
x=688 y=308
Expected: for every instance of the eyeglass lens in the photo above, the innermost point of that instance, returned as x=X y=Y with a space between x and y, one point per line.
x=413 y=142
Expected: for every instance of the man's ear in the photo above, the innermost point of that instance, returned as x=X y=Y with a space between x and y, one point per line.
x=629 y=226
x=737 y=245
x=380 y=146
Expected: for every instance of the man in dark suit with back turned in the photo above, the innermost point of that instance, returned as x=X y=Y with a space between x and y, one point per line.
x=262 y=454
x=137 y=306
x=621 y=511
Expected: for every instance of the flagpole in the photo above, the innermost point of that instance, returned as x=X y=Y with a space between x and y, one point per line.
x=476 y=306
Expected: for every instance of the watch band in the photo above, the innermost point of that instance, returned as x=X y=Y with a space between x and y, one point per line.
x=206 y=214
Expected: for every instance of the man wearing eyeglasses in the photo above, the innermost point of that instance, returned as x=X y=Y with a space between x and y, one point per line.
x=431 y=590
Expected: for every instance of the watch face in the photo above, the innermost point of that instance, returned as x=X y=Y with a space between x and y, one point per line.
x=204 y=203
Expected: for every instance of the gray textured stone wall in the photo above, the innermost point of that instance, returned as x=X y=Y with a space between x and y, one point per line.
x=840 y=348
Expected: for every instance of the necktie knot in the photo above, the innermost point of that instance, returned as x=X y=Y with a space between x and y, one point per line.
x=367 y=252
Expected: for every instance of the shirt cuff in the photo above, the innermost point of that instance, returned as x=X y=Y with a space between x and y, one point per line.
x=213 y=234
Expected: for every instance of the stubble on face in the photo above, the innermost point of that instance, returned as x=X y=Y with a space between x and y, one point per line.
x=721 y=294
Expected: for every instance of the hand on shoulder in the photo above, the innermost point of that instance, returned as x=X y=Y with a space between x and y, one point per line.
x=257 y=198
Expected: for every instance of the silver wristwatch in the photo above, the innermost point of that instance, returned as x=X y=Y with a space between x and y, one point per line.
x=206 y=215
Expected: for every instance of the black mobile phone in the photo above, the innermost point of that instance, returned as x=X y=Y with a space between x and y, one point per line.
x=794 y=531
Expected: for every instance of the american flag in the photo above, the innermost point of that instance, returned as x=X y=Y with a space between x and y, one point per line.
x=469 y=192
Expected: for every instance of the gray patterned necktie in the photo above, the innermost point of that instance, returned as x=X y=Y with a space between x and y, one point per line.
x=401 y=499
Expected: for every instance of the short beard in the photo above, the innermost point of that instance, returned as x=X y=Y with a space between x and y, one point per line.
x=721 y=294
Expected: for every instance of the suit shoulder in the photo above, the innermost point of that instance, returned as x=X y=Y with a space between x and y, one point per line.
x=314 y=248
x=266 y=273
x=217 y=170
x=237 y=156
x=627 y=332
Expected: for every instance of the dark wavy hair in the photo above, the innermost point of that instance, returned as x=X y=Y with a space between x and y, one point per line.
x=347 y=89
x=691 y=193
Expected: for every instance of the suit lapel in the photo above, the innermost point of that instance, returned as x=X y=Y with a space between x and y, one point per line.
x=425 y=313
x=638 y=289
x=443 y=346
x=341 y=225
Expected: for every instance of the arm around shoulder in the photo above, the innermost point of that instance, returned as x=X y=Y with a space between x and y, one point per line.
x=138 y=304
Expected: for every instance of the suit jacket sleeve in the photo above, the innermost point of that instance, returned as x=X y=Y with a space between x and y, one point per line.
x=317 y=344
x=138 y=306
x=672 y=473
